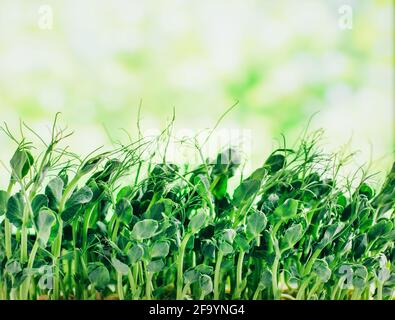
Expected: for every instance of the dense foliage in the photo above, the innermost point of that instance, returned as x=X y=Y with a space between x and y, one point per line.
x=119 y=226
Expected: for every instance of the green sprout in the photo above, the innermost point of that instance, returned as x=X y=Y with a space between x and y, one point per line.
x=118 y=225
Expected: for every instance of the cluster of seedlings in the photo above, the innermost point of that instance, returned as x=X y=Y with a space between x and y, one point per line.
x=117 y=225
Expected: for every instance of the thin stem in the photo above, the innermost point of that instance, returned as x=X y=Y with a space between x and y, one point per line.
x=8 y=227
x=24 y=243
x=379 y=290
x=120 y=286
x=309 y=265
x=27 y=212
x=313 y=289
x=305 y=283
x=217 y=274
x=26 y=285
x=185 y=290
x=57 y=244
x=287 y=296
x=239 y=272
x=148 y=285
x=276 y=291
x=57 y=248
x=115 y=230
x=148 y=282
x=338 y=285
x=68 y=191
x=132 y=283
x=8 y=237
x=356 y=294
x=180 y=266
x=257 y=293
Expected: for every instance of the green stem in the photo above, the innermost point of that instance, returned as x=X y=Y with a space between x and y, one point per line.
x=185 y=290
x=148 y=285
x=287 y=296
x=26 y=283
x=217 y=274
x=33 y=254
x=257 y=293
x=313 y=289
x=339 y=284
x=366 y=293
x=239 y=272
x=57 y=248
x=2 y=291
x=276 y=262
x=57 y=244
x=28 y=211
x=300 y=295
x=132 y=283
x=24 y=243
x=115 y=230
x=356 y=294
x=276 y=294
x=379 y=290
x=85 y=227
x=309 y=265
x=120 y=286
x=8 y=228
x=8 y=237
x=180 y=266
x=68 y=191
x=136 y=274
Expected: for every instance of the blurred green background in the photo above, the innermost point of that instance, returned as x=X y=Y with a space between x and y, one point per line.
x=283 y=60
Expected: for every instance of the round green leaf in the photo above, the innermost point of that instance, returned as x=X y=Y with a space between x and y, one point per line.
x=275 y=163
x=98 y=275
x=331 y=233
x=225 y=247
x=13 y=267
x=321 y=269
x=155 y=266
x=124 y=211
x=45 y=220
x=245 y=191
x=119 y=266
x=197 y=221
x=380 y=229
x=38 y=202
x=54 y=191
x=144 y=229
x=79 y=197
x=291 y=236
x=15 y=208
x=21 y=162
x=242 y=243
x=191 y=276
x=204 y=269
x=206 y=284
x=266 y=279
x=160 y=249
x=70 y=213
x=359 y=276
x=256 y=223
x=287 y=210
x=135 y=253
